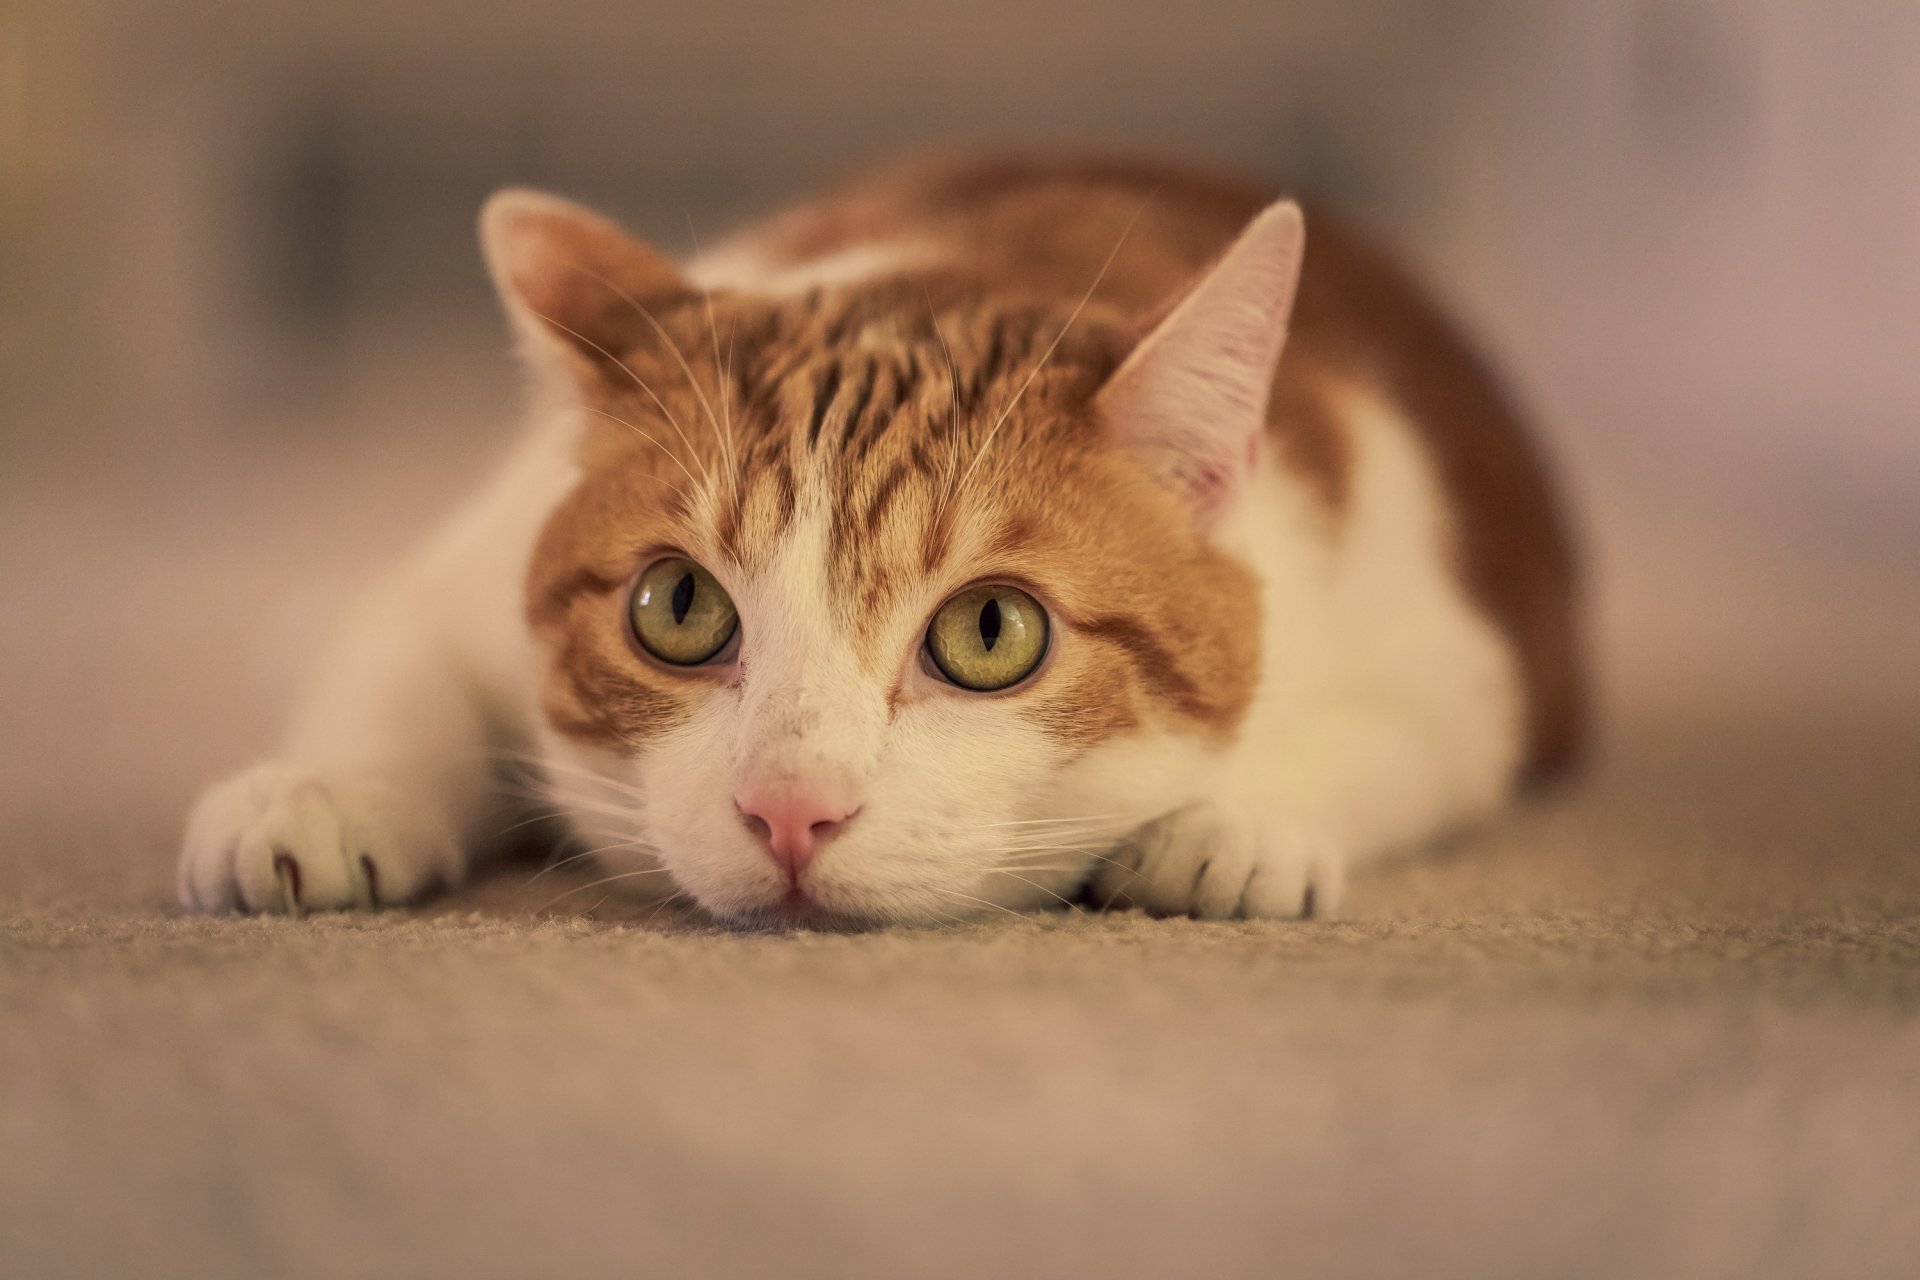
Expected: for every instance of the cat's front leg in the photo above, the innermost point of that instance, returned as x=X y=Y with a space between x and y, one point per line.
x=289 y=838
x=379 y=794
x=1230 y=857
x=1294 y=808
x=387 y=785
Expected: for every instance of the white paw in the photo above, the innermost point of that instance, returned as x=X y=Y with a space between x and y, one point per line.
x=1208 y=863
x=284 y=839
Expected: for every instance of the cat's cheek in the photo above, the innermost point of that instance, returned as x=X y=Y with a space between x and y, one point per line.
x=688 y=776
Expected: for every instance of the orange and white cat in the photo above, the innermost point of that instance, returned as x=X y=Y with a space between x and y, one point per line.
x=984 y=534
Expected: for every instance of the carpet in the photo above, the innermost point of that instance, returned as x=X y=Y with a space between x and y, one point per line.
x=1660 y=1022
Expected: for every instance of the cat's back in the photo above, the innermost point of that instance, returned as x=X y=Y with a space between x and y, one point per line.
x=1143 y=229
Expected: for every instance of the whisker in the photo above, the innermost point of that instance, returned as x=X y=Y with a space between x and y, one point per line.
x=1071 y=906
x=684 y=496
x=615 y=807
x=1097 y=857
x=1052 y=347
x=1035 y=822
x=713 y=329
x=531 y=820
x=567 y=767
x=626 y=369
x=953 y=371
x=676 y=896
x=733 y=331
x=953 y=394
x=1046 y=837
x=625 y=875
x=555 y=866
x=672 y=346
x=967 y=897
x=644 y=845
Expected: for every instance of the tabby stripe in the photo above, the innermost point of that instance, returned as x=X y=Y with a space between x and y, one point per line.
x=823 y=399
x=858 y=408
x=1154 y=663
x=877 y=414
x=784 y=487
x=884 y=494
x=585 y=580
x=990 y=366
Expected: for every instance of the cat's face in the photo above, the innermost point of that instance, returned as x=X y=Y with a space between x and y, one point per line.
x=854 y=617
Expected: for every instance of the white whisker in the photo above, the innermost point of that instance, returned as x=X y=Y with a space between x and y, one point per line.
x=1071 y=906
x=676 y=896
x=967 y=897
x=672 y=346
x=1036 y=822
x=625 y=875
x=723 y=379
x=642 y=383
x=1047 y=355
x=645 y=846
x=555 y=866
x=691 y=478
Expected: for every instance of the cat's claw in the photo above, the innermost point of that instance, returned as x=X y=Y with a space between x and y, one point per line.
x=284 y=840
x=1204 y=863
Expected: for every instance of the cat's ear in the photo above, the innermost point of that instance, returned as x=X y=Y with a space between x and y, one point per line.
x=576 y=286
x=1191 y=399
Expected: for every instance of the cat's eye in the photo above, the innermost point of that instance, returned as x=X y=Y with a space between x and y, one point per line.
x=988 y=637
x=680 y=614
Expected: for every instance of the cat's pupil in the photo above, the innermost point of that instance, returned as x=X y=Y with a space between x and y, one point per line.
x=990 y=624
x=682 y=598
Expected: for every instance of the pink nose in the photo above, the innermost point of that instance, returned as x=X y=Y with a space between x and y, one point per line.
x=791 y=826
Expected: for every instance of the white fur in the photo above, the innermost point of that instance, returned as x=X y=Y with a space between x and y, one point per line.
x=747 y=268
x=963 y=804
x=1387 y=710
x=393 y=753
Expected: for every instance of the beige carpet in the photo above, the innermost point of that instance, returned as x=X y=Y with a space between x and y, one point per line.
x=1661 y=1024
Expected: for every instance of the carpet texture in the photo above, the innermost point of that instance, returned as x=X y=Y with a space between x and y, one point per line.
x=1660 y=1023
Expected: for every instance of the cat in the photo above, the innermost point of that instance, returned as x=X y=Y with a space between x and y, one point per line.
x=949 y=543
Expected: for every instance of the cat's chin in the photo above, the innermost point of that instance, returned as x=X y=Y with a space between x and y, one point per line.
x=798 y=912
x=792 y=916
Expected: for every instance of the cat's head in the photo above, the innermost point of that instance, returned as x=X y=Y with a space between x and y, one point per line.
x=886 y=601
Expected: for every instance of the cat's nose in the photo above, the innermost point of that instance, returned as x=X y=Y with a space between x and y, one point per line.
x=792 y=825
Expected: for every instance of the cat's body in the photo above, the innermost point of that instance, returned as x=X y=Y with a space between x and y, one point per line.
x=1266 y=636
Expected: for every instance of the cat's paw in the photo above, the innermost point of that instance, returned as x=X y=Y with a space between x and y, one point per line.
x=1209 y=863
x=278 y=838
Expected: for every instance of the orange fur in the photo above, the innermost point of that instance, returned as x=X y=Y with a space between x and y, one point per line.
x=1296 y=616
x=916 y=403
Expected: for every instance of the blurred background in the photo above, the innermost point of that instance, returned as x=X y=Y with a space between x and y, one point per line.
x=1662 y=1024
x=246 y=346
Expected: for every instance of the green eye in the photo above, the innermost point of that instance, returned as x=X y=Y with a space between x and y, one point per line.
x=680 y=613
x=988 y=637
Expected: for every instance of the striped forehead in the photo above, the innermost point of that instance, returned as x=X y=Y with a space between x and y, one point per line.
x=863 y=438
x=892 y=419
x=856 y=536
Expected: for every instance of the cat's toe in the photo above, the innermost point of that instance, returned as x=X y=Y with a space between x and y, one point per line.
x=1208 y=863
x=280 y=840
x=1296 y=879
x=1189 y=863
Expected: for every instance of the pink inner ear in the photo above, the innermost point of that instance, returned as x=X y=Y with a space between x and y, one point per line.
x=571 y=275
x=1191 y=400
x=1212 y=488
